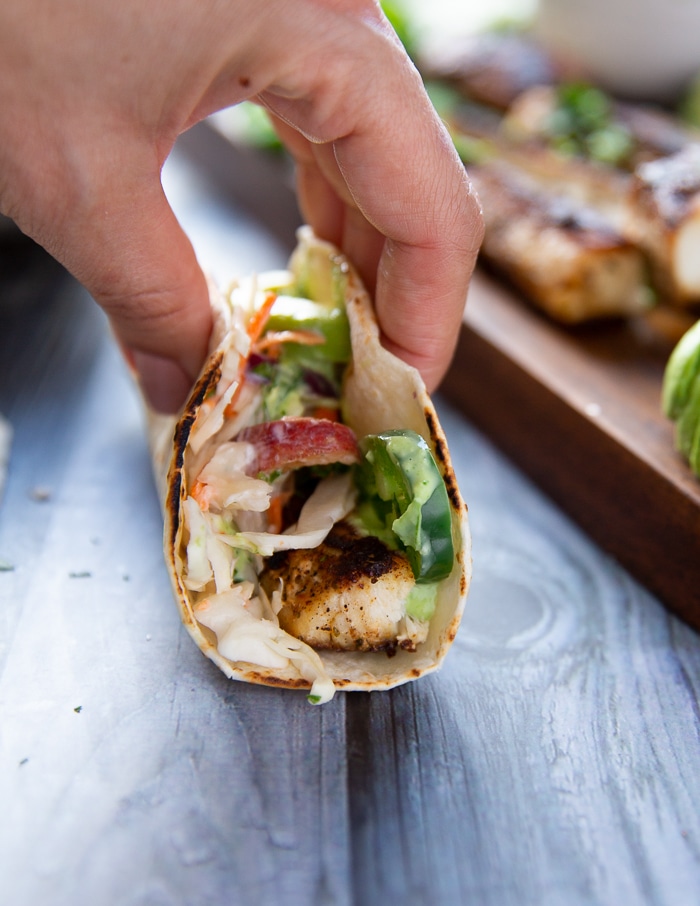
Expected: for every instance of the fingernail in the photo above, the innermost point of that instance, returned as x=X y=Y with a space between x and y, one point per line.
x=164 y=383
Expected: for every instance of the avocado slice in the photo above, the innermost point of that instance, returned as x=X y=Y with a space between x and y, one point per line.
x=681 y=371
x=292 y=313
x=681 y=395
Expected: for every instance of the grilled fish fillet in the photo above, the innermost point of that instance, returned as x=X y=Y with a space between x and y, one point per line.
x=568 y=259
x=492 y=67
x=664 y=219
x=655 y=207
x=653 y=133
x=655 y=204
x=585 y=182
x=511 y=84
x=348 y=594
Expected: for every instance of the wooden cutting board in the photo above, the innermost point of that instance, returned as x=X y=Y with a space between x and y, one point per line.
x=578 y=410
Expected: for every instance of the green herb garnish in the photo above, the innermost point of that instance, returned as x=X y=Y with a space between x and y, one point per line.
x=583 y=124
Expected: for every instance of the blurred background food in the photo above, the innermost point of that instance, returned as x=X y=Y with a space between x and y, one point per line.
x=578 y=122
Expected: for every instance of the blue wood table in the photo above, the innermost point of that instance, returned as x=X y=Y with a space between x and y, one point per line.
x=555 y=759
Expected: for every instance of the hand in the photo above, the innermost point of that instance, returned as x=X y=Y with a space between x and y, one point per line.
x=93 y=97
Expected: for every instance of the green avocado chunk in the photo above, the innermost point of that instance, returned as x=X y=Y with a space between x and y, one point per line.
x=421 y=601
x=681 y=395
x=320 y=277
x=681 y=372
x=330 y=322
x=688 y=428
x=402 y=476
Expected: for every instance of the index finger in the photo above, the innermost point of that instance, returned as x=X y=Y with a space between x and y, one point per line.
x=394 y=162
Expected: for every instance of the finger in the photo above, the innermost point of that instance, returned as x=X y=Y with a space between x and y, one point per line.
x=320 y=204
x=419 y=197
x=344 y=225
x=328 y=206
x=133 y=257
x=402 y=173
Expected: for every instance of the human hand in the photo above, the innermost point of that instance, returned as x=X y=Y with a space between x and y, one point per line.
x=93 y=97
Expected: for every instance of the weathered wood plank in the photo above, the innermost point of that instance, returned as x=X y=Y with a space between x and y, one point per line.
x=555 y=759
x=132 y=770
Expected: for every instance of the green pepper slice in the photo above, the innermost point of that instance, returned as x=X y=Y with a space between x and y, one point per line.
x=399 y=471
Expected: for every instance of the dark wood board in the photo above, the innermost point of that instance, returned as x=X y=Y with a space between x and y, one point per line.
x=578 y=410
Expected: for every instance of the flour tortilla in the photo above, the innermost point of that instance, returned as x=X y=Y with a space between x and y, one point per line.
x=381 y=392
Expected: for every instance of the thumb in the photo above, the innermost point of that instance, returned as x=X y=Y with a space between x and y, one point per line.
x=134 y=258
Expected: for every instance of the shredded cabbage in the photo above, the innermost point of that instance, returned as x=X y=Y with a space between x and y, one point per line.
x=223 y=518
x=230 y=487
x=207 y=557
x=332 y=500
x=243 y=636
x=213 y=420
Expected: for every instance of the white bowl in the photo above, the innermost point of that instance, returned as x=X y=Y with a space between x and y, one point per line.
x=642 y=49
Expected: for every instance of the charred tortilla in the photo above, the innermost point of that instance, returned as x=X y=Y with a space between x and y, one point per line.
x=277 y=570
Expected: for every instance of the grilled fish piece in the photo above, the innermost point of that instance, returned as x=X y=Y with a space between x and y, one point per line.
x=655 y=207
x=576 y=140
x=654 y=200
x=651 y=133
x=492 y=67
x=347 y=594
x=567 y=258
x=664 y=219
x=586 y=182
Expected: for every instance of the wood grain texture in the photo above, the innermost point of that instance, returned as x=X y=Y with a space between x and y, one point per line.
x=537 y=767
x=579 y=411
x=132 y=771
x=554 y=761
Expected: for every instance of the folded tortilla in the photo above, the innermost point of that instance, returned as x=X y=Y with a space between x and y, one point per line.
x=232 y=620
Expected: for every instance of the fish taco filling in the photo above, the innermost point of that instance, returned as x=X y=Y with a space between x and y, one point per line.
x=299 y=535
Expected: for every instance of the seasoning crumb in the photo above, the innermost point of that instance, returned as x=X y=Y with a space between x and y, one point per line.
x=126 y=577
x=6 y=566
x=23 y=761
x=82 y=575
x=148 y=637
x=78 y=709
x=40 y=493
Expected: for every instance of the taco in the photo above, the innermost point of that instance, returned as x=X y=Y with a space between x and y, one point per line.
x=314 y=532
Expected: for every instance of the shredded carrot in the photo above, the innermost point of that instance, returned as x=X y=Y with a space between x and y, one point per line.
x=277 y=337
x=201 y=493
x=257 y=323
x=329 y=413
x=274 y=514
